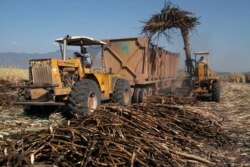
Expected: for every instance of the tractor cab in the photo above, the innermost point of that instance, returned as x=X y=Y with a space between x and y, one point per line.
x=201 y=69
x=87 y=50
x=200 y=82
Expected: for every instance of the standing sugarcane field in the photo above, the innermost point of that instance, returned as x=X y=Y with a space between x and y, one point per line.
x=115 y=83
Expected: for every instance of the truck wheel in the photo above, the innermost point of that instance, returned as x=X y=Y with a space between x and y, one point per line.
x=85 y=97
x=216 y=91
x=149 y=91
x=142 y=95
x=122 y=92
x=136 y=95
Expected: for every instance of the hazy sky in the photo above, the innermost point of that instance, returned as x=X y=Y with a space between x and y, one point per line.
x=31 y=26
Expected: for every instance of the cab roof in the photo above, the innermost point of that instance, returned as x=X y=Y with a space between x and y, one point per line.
x=201 y=53
x=80 y=40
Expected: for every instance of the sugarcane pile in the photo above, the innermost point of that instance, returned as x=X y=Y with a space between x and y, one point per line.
x=6 y=93
x=159 y=132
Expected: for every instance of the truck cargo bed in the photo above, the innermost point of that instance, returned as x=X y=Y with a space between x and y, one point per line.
x=140 y=62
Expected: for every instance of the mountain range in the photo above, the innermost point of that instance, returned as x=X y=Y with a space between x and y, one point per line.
x=21 y=60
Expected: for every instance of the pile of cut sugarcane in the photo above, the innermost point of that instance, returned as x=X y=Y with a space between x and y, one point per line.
x=159 y=132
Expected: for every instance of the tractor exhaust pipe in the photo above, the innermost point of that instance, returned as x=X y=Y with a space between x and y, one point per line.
x=65 y=46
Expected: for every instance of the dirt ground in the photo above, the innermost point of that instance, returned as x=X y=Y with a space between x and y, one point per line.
x=13 y=118
x=233 y=113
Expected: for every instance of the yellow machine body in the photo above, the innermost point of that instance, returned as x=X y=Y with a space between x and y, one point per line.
x=57 y=72
x=200 y=80
x=73 y=81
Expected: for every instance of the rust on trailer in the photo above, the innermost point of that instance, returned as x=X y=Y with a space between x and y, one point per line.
x=140 y=62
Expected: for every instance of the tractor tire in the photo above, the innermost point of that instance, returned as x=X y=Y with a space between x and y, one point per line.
x=216 y=91
x=85 y=97
x=186 y=83
x=142 y=95
x=122 y=92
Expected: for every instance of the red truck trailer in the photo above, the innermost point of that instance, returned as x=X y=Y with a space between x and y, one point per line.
x=148 y=68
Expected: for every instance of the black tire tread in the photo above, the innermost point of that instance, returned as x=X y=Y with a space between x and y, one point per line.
x=216 y=91
x=118 y=94
x=186 y=83
x=141 y=96
x=135 y=95
x=79 y=95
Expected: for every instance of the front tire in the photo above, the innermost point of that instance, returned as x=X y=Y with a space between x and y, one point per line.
x=85 y=97
x=216 y=91
x=186 y=83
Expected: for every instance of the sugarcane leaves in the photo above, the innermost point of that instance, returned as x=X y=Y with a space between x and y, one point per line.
x=170 y=17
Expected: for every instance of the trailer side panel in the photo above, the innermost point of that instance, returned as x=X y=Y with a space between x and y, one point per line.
x=140 y=62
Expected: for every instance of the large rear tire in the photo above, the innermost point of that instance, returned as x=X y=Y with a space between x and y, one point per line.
x=216 y=91
x=186 y=83
x=122 y=92
x=85 y=97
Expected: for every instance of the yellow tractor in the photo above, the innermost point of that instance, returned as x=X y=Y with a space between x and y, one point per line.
x=200 y=81
x=73 y=82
